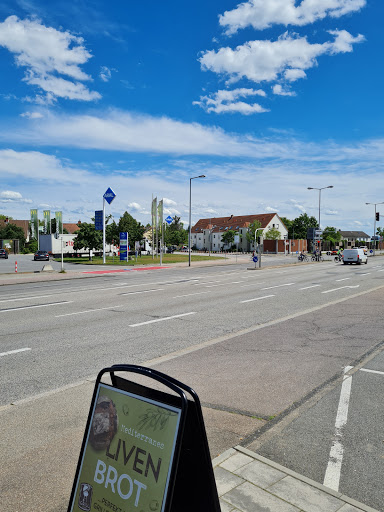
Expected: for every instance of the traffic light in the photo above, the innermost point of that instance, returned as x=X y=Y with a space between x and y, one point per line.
x=377 y=216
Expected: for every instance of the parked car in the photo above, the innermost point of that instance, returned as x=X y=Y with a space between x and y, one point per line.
x=41 y=256
x=354 y=256
x=170 y=249
x=3 y=254
x=365 y=249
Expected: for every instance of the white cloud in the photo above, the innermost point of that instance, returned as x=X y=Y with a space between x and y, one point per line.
x=105 y=74
x=270 y=209
x=32 y=115
x=264 y=60
x=46 y=52
x=171 y=211
x=9 y=196
x=224 y=101
x=169 y=202
x=135 y=207
x=280 y=91
x=262 y=14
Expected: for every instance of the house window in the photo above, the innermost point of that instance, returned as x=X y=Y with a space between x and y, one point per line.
x=214 y=245
x=214 y=236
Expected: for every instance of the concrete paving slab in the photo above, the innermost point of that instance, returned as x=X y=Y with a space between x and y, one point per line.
x=248 y=497
x=305 y=497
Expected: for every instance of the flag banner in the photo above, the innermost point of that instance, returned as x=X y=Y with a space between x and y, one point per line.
x=59 y=223
x=34 y=224
x=154 y=210
x=47 y=222
x=160 y=212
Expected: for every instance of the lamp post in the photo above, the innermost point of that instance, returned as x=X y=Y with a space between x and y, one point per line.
x=374 y=227
x=319 y=189
x=190 y=214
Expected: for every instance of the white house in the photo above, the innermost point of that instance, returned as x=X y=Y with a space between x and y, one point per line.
x=207 y=233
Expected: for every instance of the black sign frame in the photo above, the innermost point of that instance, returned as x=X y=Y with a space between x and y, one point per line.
x=191 y=465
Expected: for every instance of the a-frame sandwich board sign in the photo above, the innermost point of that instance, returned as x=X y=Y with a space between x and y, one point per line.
x=144 y=450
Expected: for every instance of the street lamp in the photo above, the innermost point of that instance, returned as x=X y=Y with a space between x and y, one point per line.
x=374 y=228
x=190 y=227
x=319 y=189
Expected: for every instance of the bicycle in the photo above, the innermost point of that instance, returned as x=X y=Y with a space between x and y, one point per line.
x=338 y=258
x=303 y=257
x=317 y=258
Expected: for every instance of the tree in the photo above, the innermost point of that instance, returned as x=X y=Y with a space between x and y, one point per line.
x=255 y=226
x=272 y=234
x=135 y=229
x=112 y=234
x=175 y=234
x=88 y=238
x=331 y=235
x=288 y=224
x=301 y=224
x=13 y=232
x=228 y=237
x=5 y=217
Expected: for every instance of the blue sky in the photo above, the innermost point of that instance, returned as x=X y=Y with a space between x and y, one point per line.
x=266 y=98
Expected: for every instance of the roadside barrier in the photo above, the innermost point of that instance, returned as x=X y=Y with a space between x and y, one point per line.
x=16 y=266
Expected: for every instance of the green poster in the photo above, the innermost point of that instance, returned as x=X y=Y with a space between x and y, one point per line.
x=128 y=455
x=59 y=223
x=34 y=224
x=47 y=222
x=160 y=212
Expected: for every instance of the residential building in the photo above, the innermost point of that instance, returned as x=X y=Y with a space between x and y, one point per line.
x=351 y=237
x=206 y=234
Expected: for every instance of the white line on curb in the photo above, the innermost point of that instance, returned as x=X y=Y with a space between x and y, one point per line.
x=333 y=472
x=162 y=319
x=14 y=351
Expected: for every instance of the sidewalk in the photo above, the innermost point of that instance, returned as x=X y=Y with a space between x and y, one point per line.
x=248 y=482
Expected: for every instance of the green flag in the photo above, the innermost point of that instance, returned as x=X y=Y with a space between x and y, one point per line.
x=34 y=224
x=47 y=222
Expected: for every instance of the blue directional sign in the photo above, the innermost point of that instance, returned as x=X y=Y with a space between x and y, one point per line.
x=124 y=247
x=169 y=220
x=109 y=195
x=99 y=220
x=255 y=259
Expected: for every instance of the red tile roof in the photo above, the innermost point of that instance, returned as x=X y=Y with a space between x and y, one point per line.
x=70 y=227
x=233 y=222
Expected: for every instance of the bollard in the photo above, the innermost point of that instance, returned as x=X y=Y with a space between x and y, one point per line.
x=16 y=266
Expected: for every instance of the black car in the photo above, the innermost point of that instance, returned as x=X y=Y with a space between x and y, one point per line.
x=3 y=254
x=41 y=256
x=170 y=249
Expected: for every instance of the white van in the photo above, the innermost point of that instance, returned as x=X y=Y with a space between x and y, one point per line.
x=357 y=256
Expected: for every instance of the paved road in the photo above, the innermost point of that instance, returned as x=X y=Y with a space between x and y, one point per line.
x=254 y=344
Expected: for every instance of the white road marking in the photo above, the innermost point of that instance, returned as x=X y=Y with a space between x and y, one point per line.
x=277 y=286
x=162 y=319
x=90 y=311
x=143 y=291
x=341 y=287
x=188 y=295
x=247 y=285
x=257 y=298
x=344 y=279
x=29 y=298
x=37 y=306
x=364 y=274
x=333 y=472
x=14 y=351
x=371 y=371
x=308 y=287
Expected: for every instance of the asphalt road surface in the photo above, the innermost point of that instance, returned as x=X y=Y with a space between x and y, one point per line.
x=274 y=345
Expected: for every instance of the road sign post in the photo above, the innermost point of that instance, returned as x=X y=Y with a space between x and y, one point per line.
x=108 y=196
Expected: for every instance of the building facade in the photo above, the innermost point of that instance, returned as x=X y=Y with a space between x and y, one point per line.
x=207 y=234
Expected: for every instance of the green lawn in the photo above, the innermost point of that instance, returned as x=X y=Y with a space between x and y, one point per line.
x=141 y=260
